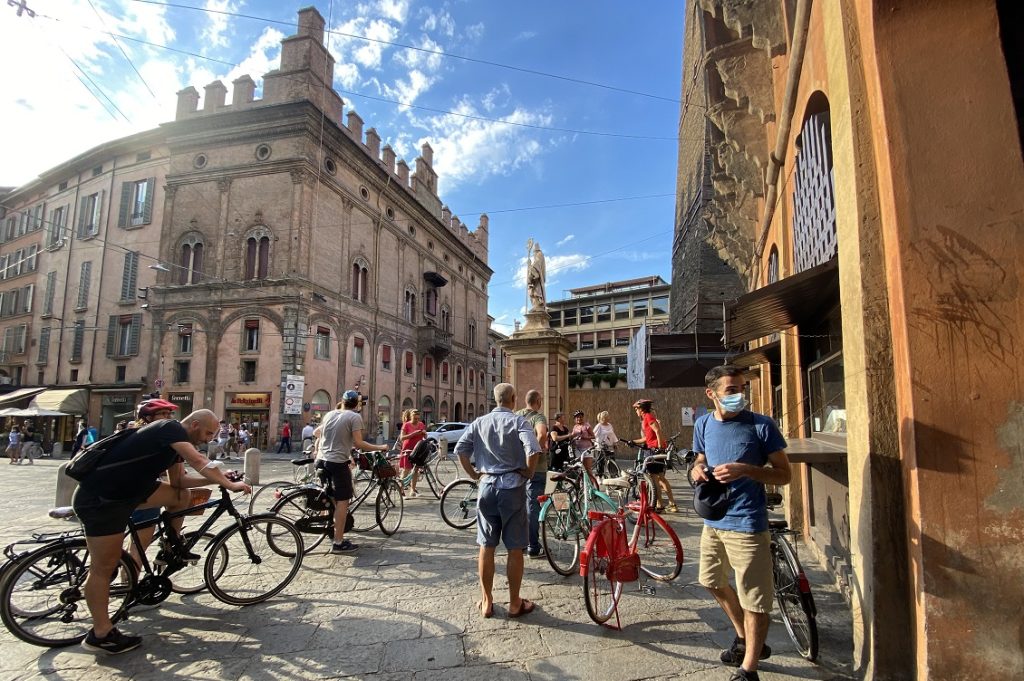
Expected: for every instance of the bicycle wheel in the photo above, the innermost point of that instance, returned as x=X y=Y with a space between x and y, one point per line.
x=265 y=497
x=798 y=611
x=310 y=510
x=189 y=579
x=661 y=553
x=253 y=560
x=435 y=485
x=458 y=503
x=560 y=537
x=611 y=468
x=42 y=600
x=600 y=592
x=389 y=507
x=364 y=518
x=446 y=469
x=599 y=501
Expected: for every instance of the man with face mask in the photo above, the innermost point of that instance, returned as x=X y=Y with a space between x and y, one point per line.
x=744 y=451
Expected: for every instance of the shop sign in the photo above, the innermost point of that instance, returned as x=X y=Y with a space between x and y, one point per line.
x=240 y=401
x=184 y=402
x=117 y=400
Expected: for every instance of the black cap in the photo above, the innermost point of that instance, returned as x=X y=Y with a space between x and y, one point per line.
x=711 y=498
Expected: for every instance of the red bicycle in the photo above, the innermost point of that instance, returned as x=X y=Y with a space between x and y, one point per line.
x=613 y=556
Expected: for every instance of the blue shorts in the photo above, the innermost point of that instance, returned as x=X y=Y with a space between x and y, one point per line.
x=501 y=514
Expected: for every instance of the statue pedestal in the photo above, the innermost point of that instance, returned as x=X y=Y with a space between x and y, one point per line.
x=538 y=359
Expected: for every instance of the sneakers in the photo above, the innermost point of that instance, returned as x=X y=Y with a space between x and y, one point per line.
x=539 y=553
x=742 y=674
x=113 y=643
x=734 y=655
x=672 y=508
x=413 y=495
x=344 y=547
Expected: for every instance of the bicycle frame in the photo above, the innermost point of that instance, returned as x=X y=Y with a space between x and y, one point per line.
x=587 y=493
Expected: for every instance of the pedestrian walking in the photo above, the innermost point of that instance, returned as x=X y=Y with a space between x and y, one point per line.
x=745 y=451
x=538 y=481
x=413 y=432
x=14 y=445
x=286 y=438
x=500 y=450
x=307 y=436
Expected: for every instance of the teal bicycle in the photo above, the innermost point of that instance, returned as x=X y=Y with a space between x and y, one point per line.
x=565 y=519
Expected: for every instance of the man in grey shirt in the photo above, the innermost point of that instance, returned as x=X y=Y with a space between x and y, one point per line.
x=500 y=450
x=341 y=430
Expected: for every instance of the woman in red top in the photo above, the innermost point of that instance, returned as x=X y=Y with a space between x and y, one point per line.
x=414 y=431
x=654 y=439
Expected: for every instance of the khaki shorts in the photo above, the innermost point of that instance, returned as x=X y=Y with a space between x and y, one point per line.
x=749 y=556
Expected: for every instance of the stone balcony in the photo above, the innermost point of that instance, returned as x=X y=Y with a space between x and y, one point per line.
x=432 y=339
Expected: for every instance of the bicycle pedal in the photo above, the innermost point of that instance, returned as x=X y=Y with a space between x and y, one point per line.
x=647 y=590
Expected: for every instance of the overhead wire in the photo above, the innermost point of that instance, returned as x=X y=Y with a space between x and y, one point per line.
x=120 y=47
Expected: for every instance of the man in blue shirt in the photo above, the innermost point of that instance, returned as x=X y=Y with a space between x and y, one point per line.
x=500 y=450
x=745 y=451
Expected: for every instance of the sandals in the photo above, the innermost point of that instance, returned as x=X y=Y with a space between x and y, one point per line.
x=525 y=608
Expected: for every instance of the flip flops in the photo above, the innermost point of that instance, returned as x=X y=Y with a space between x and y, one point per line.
x=525 y=608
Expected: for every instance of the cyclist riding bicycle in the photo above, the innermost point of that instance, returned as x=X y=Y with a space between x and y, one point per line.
x=126 y=479
x=652 y=439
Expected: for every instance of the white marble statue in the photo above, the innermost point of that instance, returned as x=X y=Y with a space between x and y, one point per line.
x=535 y=275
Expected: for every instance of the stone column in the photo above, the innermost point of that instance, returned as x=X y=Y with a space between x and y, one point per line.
x=538 y=359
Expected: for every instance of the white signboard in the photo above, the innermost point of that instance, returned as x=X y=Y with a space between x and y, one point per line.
x=688 y=416
x=293 y=389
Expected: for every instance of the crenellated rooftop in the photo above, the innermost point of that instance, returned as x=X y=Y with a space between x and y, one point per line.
x=306 y=72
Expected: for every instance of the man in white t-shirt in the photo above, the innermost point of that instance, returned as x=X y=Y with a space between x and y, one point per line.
x=307 y=435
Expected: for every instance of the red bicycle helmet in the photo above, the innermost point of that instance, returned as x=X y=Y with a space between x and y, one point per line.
x=150 y=407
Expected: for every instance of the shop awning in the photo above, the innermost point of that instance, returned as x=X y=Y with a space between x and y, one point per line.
x=782 y=305
x=74 y=401
x=19 y=395
x=30 y=411
x=769 y=353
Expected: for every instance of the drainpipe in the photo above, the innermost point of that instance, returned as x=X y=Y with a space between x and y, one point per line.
x=778 y=157
x=376 y=299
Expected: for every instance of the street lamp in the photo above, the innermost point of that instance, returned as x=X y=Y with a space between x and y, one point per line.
x=160 y=267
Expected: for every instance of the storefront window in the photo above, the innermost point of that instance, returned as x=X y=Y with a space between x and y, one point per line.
x=825 y=381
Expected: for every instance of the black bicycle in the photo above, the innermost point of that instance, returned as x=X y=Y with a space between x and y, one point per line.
x=254 y=558
x=792 y=590
x=458 y=503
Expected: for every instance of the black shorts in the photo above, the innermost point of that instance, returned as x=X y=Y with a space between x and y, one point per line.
x=341 y=479
x=653 y=468
x=101 y=516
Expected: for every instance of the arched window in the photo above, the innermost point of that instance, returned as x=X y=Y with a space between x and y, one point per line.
x=471 y=333
x=443 y=414
x=430 y=302
x=428 y=409
x=444 y=372
x=360 y=276
x=458 y=411
x=773 y=265
x=469 y=412
x=409 y=306
x=446 y=319
x=428 y=368
x=472 y=378
x=483 y=381
x=257 y=255
x=190 y=260
x=458 y=375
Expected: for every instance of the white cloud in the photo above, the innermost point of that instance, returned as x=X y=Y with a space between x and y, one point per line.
x=264 y=55
x=475 y=32
x=369 y=54
x=395 y=10
x=525 y=35
x=428 y=60
x=566 y=239
x=466 y=148
x=215 y=31
x=441 y=22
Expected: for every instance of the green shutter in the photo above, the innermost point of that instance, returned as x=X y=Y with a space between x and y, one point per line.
x=124 y=217
x=129 y=275
x=44 y=346
x=148 y=210
x=83 y=218
x=111 y=334
x=79 y=341
x=51 y=286
x=133 y=342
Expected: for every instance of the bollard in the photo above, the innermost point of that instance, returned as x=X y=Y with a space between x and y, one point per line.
x=66 y=486
x=251 y=467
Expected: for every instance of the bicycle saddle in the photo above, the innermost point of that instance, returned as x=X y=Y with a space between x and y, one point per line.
x=622 y=482
x=302 y=462
x=777 y=525
x=62 y=512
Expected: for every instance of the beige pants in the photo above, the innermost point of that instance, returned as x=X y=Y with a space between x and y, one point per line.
x=749 y=556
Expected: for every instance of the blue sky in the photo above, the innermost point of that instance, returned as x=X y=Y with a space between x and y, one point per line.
x=484 y=165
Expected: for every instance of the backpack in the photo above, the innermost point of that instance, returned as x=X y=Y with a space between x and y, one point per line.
x=87 y=458
x=420 y=453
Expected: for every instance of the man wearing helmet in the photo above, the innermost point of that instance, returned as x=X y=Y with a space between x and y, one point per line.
x=126 y=479
x=338 y=433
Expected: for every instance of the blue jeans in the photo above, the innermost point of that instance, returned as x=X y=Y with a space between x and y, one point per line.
x=535 y=488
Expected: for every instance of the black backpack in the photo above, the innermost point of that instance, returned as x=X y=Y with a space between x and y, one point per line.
x=421 y=452
x=86 y=460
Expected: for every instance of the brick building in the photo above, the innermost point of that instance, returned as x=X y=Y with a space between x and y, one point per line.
x=243 y=243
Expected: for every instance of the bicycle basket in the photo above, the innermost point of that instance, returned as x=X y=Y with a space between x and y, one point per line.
x=200 y=495
x=624 y=568
x=560 y=500
x=365 y=463
x=383 y=469
x=420 y=453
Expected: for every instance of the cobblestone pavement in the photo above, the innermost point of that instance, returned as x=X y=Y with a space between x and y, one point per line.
x=403 y=608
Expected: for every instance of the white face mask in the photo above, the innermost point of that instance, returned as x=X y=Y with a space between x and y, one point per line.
x=732 y=404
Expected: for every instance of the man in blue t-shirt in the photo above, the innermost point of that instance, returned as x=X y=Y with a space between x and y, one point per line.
x=746 y=451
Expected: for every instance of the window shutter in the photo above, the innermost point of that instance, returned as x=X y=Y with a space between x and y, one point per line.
x=252 y=323
x=386 y=353
x=129 y=275
x=8 y=339
x=136 y=332
x=408 y=362
x=32 y=259
x=26 y=303
x=147 y=212
x=51 y=285
x=20 y=334
x=83 y=284
x=78 y=341
x=83 y=218
x=98 y=213
x=44 y=346
x=3 y=266
x=124 y=217
x=197 y=263
x=359 y=342
x=111 y=335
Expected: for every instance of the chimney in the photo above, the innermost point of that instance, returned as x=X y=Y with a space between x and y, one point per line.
x=311 y=23
x=373 y=142
x=389 y=158
x=355 y=125
x=188 y=102
x=456 y=223
x=446 y=216
x=482 y=233
x=244 y=90
x=216 y=92
x=403 y=173
x=427 y=153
